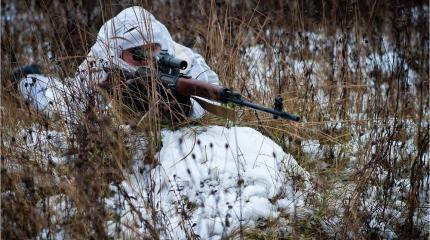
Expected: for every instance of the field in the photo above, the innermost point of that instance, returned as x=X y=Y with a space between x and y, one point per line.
x=357 y=72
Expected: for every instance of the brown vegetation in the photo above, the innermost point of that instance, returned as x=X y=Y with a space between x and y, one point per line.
x=356 y=71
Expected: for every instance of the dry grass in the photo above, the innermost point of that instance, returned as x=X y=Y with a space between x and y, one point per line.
x=327 y=59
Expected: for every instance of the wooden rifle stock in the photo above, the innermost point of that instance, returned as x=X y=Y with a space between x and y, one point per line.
x=192 y=87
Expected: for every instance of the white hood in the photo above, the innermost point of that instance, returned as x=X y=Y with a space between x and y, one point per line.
x=132 y=27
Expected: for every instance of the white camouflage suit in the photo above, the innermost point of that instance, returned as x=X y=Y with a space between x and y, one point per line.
x=132 y=27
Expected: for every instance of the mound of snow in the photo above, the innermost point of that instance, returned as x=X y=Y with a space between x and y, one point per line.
x=209 y=182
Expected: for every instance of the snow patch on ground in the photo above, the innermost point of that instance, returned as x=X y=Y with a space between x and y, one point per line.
x=211 y=180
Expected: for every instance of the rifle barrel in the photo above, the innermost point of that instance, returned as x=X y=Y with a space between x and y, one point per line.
x=192 y=87
x=283 y=115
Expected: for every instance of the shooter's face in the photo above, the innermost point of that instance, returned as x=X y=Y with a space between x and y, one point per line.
x=142 y=55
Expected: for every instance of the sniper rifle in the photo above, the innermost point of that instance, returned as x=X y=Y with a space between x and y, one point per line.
x=169 y=73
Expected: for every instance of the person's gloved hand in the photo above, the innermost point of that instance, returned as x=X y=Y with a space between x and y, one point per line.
x=136 y=94
x=44 y=94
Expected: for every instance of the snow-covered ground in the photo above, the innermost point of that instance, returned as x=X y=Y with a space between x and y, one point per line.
x=373 y=69
x=209 y=182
